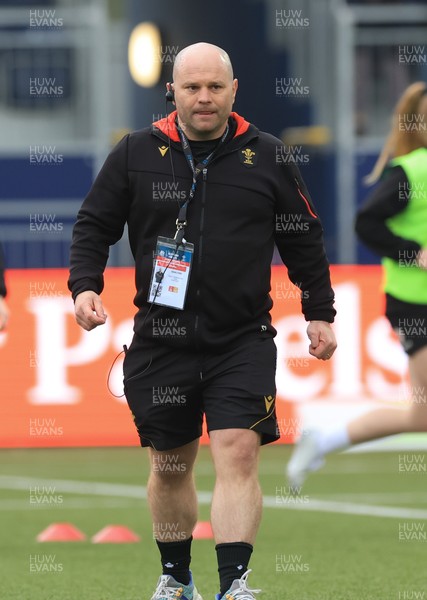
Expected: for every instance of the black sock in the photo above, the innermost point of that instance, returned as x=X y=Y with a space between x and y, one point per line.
x=233 y=560
x=176 y=558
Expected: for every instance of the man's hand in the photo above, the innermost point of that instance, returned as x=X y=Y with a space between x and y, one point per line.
x=322 y=339
x=4 y=313
x=89 y=310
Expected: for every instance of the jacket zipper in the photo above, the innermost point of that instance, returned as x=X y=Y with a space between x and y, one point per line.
x=199 y=262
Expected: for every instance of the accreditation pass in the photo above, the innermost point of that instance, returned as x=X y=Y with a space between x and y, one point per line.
x=171 y=273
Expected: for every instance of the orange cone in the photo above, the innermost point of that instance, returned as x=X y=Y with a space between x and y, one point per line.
x=115 y=534
x=203 y=531
x=61 y=532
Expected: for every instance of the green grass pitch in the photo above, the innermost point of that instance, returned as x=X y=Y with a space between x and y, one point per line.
x=313 y=548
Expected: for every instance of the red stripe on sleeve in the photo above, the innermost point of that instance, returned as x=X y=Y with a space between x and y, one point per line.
x=307 y=204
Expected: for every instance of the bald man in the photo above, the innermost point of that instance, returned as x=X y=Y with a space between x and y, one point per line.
x=205 y=201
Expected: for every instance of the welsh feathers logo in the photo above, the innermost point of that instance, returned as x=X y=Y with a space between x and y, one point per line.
x=248 y=157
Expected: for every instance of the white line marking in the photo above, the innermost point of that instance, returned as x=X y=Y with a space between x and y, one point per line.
x=71 y=503
x=140 y=492
x=91 y=488
x=350 y=508
x=405 y=497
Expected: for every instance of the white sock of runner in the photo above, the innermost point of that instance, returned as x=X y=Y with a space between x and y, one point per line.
x=333 y=439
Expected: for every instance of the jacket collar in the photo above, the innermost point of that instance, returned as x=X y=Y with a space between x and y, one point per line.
x=167 y=126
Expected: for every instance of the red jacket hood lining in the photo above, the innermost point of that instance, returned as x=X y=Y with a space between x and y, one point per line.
x=168 y=127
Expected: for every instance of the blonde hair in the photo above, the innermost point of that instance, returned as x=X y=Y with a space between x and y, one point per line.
x=401 y=141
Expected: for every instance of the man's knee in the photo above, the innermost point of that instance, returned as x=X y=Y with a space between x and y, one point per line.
x=235 y=450
x=172 y=466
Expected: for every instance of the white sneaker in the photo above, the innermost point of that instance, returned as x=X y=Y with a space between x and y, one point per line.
x=305 y=459
x=170 y=589
x=239 y=590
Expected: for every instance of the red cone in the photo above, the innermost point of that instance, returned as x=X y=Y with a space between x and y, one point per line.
x=61 y=532
x=203 y=531
x=115 y=534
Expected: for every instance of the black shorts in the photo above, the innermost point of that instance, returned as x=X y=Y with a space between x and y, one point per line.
x=409 y=321
x=169 y=390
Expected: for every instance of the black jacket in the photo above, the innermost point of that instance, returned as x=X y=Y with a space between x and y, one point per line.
x=245 y=202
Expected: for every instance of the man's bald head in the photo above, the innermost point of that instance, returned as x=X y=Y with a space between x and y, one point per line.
x=204 y=90
x=202 y=53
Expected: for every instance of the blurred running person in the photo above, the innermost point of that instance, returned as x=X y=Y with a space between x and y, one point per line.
x=4 y=310
x=392 y=223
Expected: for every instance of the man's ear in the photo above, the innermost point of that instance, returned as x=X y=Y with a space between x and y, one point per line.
x=235 y=87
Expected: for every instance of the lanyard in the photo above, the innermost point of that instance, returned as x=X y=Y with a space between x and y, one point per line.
x=181 y=221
